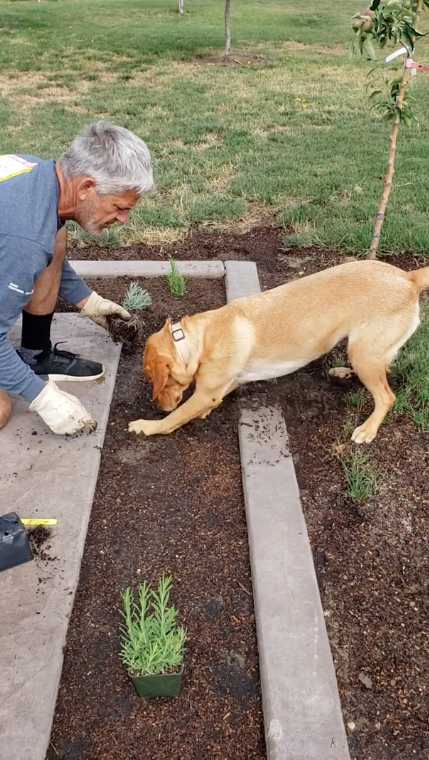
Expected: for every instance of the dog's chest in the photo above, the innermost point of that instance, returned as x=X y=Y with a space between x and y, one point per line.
x=254 y=372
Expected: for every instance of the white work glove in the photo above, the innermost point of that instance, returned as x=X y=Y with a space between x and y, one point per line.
x=98 y=308
x=63 y=413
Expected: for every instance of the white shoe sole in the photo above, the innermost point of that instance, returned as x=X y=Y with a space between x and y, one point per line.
x=72 y=379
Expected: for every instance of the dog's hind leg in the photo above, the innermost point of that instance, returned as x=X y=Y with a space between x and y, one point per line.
x=372 y=373
x=371 y=354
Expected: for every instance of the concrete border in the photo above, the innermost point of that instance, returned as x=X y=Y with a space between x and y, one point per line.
x=206 y=269
x=301 y=704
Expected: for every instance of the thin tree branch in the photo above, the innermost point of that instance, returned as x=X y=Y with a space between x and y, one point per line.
x=391 y=158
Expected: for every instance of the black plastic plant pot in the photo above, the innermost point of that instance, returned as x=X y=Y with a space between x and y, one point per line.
x=14 y=545
x=161 y=685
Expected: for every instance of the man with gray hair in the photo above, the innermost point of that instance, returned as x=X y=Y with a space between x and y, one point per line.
x=95 y=183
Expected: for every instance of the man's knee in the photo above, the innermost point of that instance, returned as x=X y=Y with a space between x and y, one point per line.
x=5 y=408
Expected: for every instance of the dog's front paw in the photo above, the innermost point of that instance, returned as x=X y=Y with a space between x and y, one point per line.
x=364 y=434
x=147 y=427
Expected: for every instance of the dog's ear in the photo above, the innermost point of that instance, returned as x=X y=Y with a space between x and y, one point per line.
x=160 y=371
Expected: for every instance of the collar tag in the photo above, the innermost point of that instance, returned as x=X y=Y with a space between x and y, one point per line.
x=177 y=334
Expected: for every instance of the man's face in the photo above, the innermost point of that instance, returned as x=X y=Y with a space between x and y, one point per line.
x=95 y=212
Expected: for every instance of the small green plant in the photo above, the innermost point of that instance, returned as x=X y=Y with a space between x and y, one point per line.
x=176 y=281
x=136 y=298
x=361 y=476
x=151 y=643
x=356 y=399
x=350 y=423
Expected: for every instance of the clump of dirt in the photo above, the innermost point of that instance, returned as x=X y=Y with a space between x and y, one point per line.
x=130 y=334
x=38 y=537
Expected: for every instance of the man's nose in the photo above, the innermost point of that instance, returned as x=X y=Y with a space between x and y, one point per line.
x=122 y=216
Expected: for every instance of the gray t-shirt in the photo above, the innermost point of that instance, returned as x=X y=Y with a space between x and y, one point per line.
x=29 y=223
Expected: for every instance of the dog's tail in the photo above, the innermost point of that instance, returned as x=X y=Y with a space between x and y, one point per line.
x=420 y=278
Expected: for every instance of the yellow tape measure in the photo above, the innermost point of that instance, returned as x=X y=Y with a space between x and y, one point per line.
x=38 y=520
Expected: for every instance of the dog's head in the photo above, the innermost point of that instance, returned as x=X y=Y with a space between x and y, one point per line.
x=164 y=369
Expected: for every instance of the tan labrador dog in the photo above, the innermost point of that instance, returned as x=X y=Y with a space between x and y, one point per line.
x=274 y=333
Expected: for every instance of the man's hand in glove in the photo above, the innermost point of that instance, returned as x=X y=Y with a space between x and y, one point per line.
x=63 y=413
x=98 y=308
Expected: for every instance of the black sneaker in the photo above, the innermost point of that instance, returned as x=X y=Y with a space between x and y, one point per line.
x=63 y=366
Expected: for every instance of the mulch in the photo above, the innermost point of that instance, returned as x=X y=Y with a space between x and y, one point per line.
x=371 y=557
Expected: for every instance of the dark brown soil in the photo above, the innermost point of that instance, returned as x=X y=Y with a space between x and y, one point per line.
x=262 y=244
x=371 y=557
x=130 y=334
x=174 y=505
x=372 y=564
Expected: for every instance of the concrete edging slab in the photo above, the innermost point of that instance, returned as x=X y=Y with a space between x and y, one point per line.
x=207 y=269
x=302 y=711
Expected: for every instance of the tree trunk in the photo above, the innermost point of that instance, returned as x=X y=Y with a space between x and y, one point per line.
x=181 y=2
x=391 y=159
x=227 y=29
x=390 y=170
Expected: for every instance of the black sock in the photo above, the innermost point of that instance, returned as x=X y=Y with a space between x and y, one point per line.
x=36 y=331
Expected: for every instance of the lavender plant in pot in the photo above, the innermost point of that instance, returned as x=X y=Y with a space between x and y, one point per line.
x=152 y=645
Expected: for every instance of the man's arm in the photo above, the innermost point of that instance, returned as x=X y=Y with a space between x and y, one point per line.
x=72 y=287
x=91 y=305
x=63 y=413
x=15 y=375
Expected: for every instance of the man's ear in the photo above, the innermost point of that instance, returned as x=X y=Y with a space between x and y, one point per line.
x=86 y=186
x=160 y=372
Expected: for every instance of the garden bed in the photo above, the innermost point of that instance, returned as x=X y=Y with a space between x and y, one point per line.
x=172 y=504
x=371 y=555
x=372 y=562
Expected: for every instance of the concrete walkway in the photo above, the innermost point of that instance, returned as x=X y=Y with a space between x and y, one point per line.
x=43 y=475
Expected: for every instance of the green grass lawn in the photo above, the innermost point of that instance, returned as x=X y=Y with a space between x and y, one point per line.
x=291 y=140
